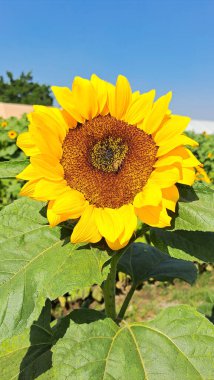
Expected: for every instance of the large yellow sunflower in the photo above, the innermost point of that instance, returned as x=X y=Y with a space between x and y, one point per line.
x=108 y=157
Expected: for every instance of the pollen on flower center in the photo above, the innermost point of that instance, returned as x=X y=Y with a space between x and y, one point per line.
x=108 y=160
x=108 y=154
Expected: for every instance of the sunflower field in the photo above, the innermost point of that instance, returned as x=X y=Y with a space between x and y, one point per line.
x=100 y=198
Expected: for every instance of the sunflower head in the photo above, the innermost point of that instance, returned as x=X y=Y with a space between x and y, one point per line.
x=106 y=158
x=3 y=124
x=12 y=134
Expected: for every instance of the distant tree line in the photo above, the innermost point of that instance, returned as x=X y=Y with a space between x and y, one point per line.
x=24 y=90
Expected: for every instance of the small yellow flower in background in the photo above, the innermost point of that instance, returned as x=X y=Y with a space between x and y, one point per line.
x=205 y=134
x=209 y=155
x=12 y=134
x=108 y=157
x=201 y=175
x=4 y=124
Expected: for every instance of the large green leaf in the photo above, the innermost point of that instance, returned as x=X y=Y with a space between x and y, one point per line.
x=195 y=208
x=178 y=345
x=142 y=261
x=28 y=355
x=192 y=234
x=10 y=169
x=186 y=245
x=39 y=262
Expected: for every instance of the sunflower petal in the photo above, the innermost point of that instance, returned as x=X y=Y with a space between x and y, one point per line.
x=155 y=216
x=130 y=223
x=123 y=95
x=85 y=98
x=109 y=223
x=188 y=176
x=150 y=195
x=139 y=108
x=26 y=143
x=166 y=176
x=155 y=117
x=100 y=87
x=86 y=229
x=170 y=197
x=65 y=98
x=173 y=127
x=173 y=143
x=43 y=190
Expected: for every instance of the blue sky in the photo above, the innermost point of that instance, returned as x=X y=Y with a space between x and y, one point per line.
x=161 y=44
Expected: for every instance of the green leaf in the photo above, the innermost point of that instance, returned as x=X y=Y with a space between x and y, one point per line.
x=27 y=355
x=142 y=261
x=196 y=208
x=192 y=234
x=10 y=169
x=186 y=245
x=39 y=262
x=178 y=345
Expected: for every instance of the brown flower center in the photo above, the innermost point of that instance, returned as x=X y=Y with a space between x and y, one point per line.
x=108 y=160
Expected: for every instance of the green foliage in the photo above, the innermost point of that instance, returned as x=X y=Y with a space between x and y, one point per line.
x=205 y=151
x=142 y=262
x=37 y=262
x=10 y=187
x=192 y=235
x=175 y=345
x=24 y=90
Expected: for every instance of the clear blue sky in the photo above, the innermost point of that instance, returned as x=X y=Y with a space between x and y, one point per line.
x=161 y=44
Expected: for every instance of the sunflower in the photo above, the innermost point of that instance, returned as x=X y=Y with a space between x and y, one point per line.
x=108 y=157
x=3 y=124
x=12 y=134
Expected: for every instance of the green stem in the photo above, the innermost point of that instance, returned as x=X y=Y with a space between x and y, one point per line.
x=109 y=288
x=126 y=303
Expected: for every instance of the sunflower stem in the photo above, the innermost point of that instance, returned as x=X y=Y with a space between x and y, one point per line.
x=126 y=303
x=109 y=288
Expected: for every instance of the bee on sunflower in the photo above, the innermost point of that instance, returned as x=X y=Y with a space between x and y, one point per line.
x=107 y=157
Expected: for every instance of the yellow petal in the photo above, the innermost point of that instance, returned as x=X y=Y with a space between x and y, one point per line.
x=47 y=167
x=155 y=117
x=85 y=98
x=139 y=108
x=166 y=176
x=70 y=121
x=188 y=176
x=69 y=205
x=155 y=216
x=29 y=173
x=173 y=127
x=100 y=87
x=26 y=143
x=116 y=245
x=54 y=218
x=111 y=99
x=150 y=195
x=70 y=201
x=86 y=229
x=189 y=160
x=173 y=143
x=167 y=160
x=170 y=197
x=109 y=223
x=44 y=137
x=43 y=190
x=130 y=223
x=65 y=98
x=53 y=121
x=123 y=95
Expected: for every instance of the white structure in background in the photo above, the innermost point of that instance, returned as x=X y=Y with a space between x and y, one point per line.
x=17 y=110
x=200 y=126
